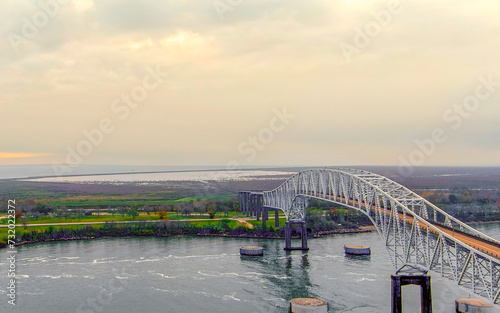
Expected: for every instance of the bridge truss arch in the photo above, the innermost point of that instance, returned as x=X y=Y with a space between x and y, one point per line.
x=416 y=233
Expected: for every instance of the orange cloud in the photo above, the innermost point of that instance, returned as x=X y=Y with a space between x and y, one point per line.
x=17 y=155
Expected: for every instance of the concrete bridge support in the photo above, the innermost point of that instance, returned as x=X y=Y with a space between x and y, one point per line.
x=416 y=232
x=252 y=204
x=423 y=281
x=299 y=227
x=243 y=199
x=256 y=204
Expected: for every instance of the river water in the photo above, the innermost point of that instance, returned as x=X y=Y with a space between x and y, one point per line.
x=208 y=275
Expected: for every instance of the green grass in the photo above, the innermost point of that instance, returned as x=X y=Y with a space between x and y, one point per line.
x=20 y=229
x=152 y=199
x=221 y=197
x=88 y=201
x=90 y=218
x=83 y=219
x=269 y=223
x=175 y=217
x=231 y=224
x=70 y=199
x=112 y=201
x=117 y=218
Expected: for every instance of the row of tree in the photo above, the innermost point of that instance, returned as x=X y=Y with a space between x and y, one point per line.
x=467 y=205
x=36 y=209
x=316 y=222
x=164 y=229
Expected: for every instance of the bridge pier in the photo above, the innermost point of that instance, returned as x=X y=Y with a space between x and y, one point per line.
x=412 y=228
x=423 y=281
x=252 y=204
x=300 y=227
x=256 y=204
x=265 y=216
x=243 y=200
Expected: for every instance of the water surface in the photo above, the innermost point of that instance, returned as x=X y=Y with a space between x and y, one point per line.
x=209 y=275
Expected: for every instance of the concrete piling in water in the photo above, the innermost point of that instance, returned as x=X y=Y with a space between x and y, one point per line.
x=308 y=305
x=398 y=281
x=300 y=227
x=252 y=250
x=472 y=305
x=357 y=250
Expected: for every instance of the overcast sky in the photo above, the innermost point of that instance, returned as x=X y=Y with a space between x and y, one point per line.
x=353 y=81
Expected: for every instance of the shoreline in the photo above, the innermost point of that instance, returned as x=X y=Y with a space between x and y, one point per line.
x=320 y=234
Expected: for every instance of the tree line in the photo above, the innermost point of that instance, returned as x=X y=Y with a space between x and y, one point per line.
x=35 y=209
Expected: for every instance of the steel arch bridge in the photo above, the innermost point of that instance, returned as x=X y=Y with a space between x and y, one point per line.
x=417 y=234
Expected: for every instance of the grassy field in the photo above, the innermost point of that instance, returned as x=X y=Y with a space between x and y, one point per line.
x=118 y=218
x=269 y=223
x=93 y=198
x=232 y=223
x=110 y=218
x=152 y=199
x=20 y=229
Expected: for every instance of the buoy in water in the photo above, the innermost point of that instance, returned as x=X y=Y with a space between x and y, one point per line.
x=308 y=305
x=472 y=305
x=252 y=250
x=357 y=250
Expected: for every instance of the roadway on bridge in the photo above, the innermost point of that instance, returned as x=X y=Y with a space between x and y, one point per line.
x=476 y=243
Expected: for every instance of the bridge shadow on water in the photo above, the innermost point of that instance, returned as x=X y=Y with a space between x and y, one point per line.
x=285 y=274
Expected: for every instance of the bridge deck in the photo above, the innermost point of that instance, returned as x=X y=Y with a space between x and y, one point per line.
x=439 y=242
x=476 y=243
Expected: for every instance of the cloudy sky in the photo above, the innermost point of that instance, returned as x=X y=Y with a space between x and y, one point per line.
x=261 y=82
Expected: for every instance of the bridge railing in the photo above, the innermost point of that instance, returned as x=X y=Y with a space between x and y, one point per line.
x=407 y=223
